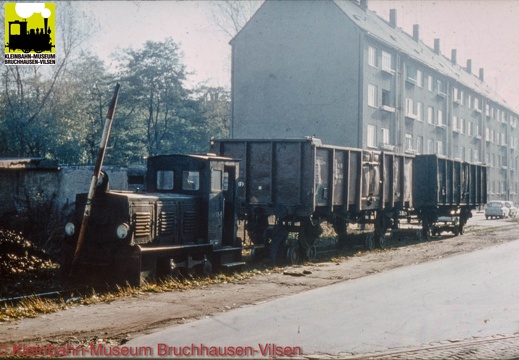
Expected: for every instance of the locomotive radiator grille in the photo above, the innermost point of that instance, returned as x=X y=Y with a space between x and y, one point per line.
x=189 y=223
x=142 y=223
x=167 y=223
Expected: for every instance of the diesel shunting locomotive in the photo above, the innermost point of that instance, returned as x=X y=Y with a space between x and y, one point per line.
x=185 y=220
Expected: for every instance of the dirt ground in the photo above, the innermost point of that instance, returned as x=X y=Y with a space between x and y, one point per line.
x=120 y=320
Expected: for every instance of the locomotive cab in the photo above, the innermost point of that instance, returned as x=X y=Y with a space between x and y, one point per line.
x=211 y=180
x=185 y=220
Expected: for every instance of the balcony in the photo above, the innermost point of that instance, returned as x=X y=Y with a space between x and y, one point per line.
x=388 y=70
x=411 y=116
x=388 y=108
x=387 y=147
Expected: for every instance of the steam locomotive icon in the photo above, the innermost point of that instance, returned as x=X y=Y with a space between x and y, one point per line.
x=20 y=38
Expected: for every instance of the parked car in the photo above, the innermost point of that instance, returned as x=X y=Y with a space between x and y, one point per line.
x=498 y=209
x=513 y=209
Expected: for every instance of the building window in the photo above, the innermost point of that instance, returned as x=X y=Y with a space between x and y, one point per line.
x=409 y=108
x=419 y=111
x=419 y=144
x=440 y=118
x=477 y=104
x=469 y=101
x=429 y=83
x=387 y=62
x=408 y=142
x=419 y=78
x=386 y=98
x=372 y=136
x=439 y=148
x=461 y=126
x=372 y=95
x=372 y=56
x=455 y=123
x=440 y=87
x=430 y=146
x=469 y=128
x=385 y=136
x=411 y=73
x=430 y=115
x=475 y=155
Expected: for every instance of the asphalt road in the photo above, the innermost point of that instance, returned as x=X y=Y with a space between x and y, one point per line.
x=470 y=295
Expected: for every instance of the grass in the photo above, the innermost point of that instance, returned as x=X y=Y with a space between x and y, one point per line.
x=34 y=306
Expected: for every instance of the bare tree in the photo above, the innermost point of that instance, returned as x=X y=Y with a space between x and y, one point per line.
x=232 y=15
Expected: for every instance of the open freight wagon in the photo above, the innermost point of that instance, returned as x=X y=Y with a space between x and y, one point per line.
x=446 y=191
x=301 y=183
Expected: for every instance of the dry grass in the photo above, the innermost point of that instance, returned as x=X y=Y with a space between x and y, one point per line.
x=34 y=306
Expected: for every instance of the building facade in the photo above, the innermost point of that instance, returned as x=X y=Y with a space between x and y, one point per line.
x=336 y=70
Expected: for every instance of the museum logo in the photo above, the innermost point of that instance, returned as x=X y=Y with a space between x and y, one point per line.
x=30 y=34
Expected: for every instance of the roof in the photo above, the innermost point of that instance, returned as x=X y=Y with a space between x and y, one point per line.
x=28 y=164
x=399 y=40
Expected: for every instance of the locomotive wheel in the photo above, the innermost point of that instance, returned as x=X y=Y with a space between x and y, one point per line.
x=293 y=254
x=26 y=50
x=370 y=241
x=311 y=253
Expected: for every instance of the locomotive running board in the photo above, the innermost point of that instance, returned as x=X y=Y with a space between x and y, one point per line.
x=165 y=251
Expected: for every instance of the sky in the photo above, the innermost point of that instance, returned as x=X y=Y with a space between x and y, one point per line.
x=485 y=31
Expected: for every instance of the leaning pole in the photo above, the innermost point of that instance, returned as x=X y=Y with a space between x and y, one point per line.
x=96 y=174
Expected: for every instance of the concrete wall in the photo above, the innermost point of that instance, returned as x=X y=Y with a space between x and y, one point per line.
x=23 y=188
x=296 y=73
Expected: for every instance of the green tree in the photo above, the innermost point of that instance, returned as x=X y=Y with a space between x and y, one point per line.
x=158 y=111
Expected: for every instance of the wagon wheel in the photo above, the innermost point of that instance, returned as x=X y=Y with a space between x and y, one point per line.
x=309 y=231
x=370 y=241
x=293 y=254
x=456 y=230
x=311 y=253
x=382 y=241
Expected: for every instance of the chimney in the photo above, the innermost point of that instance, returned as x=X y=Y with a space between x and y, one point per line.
x=364 y=4
x=416 y=32
x=45 y=24
x=469 y=66
x=453 y=56
x=481 y=74
x=437 y=46
x=392 y=18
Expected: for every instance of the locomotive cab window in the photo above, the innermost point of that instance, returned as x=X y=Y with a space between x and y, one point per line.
x=216 y=180
x=190 y=180
x=165 y=180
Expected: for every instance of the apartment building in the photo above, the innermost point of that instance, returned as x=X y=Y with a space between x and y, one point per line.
x=338 y=71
